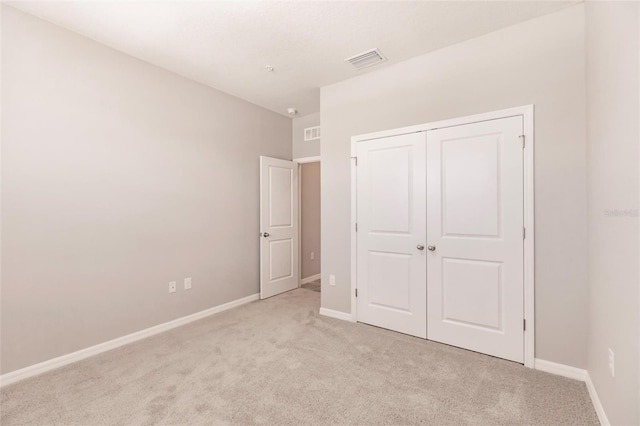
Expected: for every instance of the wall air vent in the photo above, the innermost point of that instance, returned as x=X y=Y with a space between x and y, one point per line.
x=311 y=133
x=366 y=59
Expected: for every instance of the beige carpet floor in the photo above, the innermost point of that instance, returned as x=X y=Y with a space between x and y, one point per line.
x=278 y=362
x=313 y=285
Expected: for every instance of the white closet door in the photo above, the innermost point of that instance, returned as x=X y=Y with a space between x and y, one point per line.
x=475 y=237
x=278 y=226
x=391 y=212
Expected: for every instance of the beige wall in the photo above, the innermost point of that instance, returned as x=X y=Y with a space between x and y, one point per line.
x=310 y=224
x=302 y=149
x=613 y=201
x=539 y=62
x=118 y=177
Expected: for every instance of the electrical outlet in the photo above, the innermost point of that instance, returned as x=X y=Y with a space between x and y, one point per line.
x=612 y=367
x=313 y=256
x=172 y=287
x=187 y=283
x=332 y=280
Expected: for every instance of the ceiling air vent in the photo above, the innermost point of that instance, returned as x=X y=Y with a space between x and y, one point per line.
x=311 y=133
x=366 y=59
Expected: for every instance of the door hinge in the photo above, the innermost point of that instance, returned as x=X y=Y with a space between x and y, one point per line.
x=356 y=227
x=524 y=233
x=524 y=324
x=356 y=292
x=356 y=158
x=522 y=137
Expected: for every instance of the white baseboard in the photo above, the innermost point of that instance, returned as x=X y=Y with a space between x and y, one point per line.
x=310 y=279
x=576 y=374
x=560 y=369
x=602 y=416
x=336 y=314
x=52 y=364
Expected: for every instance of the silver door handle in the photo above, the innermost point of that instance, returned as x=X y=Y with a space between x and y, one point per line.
x=420 y=247
x=431 y=248
x=266 y=234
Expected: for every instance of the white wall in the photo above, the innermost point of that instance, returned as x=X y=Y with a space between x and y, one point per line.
x=118 y=177
x=302 y=149
x=541 y=62
x=613 y=201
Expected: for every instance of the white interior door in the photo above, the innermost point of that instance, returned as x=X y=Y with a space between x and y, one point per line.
x=278 y=226
x=391 y=217
x=475 y=237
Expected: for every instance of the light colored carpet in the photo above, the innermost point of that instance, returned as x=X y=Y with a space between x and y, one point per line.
x=277 y=362
x=313 y=285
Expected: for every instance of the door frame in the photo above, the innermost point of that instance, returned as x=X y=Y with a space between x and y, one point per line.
x=300 y=161
x=527 y=113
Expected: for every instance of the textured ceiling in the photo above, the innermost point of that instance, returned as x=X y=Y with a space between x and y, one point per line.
x=227 y=44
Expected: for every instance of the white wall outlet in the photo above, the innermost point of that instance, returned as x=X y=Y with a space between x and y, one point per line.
x=332 y=280
x=172 y=287
x=187 y=283
x=612 y=365
x=313 y=256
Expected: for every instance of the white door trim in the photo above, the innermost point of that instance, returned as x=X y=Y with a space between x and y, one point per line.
x=304 y=160
x=527 y=112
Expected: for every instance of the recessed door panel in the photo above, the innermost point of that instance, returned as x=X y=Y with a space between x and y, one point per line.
x=475 y=212
x=390 y=170
x=471 y=178
x=391 y=211
x=472 y=293
x=280 y=196
x=390 y=280
x=281 y=259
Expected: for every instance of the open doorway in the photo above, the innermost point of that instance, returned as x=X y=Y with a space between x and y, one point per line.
x=289 y=225
x=309 y=186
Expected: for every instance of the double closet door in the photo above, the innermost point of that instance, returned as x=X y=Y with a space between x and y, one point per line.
x=440 y=235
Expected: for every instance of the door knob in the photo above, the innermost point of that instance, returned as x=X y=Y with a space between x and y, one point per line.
x=420 y=247
x=432 y=248
x=266 y=234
